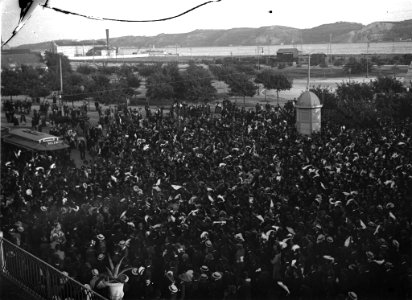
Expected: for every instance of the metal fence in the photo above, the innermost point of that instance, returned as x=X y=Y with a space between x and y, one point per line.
x=38 y=278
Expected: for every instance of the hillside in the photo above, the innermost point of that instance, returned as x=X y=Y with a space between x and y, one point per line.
x=339 y=32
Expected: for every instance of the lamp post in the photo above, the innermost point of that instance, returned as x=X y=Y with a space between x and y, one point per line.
x=307 y=85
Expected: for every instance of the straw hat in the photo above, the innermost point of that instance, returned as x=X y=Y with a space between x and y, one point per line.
x=204 y=269
x=216 y=276
x=173 y=289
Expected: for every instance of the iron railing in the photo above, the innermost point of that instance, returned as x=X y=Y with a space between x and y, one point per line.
x=38 y=278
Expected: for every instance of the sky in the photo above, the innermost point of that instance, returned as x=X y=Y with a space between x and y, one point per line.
x=47 y=25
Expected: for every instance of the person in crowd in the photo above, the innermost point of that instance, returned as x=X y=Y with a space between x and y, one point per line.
x=235 y=205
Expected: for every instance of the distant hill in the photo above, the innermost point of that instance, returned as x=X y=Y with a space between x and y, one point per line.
x=340 y=32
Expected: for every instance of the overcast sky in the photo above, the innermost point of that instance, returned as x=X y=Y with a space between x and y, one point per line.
x=46 y=24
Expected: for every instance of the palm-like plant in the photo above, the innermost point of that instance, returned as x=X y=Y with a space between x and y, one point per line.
x=114 y=272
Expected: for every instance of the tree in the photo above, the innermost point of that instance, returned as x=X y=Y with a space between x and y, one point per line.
x=198 y=84
x=387 y=85
x=273 y=81
x=327 y=97
x=354 y=91
x=159 y=87
x=85 y=69
x=357 y=67
x=11 y=83
x=240 y=85
x=147 y=70
x=53 y=62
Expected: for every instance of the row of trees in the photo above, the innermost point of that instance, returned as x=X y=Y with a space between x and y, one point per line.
x=194 y=84
x=105 y=84
x=364 y=104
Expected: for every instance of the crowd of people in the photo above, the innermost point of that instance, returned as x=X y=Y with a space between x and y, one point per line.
x=234 y=205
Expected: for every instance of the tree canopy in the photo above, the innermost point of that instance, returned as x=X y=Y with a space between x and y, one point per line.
x=273 y=81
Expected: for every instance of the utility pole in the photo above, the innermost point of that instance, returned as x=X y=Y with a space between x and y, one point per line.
x=307 y=86
x=61 y=78
x=367 y=61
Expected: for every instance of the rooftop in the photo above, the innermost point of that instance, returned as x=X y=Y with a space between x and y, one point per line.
x=308 y=100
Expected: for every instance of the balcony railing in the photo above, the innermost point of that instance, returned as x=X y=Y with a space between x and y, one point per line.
x=38 y=278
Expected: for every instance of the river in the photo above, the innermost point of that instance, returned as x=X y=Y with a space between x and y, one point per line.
x=344 y=48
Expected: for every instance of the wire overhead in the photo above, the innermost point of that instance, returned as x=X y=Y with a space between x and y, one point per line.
x=67 y=12
x=127 y=20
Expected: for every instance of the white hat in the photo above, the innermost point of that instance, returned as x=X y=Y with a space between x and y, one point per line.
x=100 y=237
x=173 y=288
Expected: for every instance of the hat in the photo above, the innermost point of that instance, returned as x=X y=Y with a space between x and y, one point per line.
x=295 y=247
x=209 y=256
x=203 y=276
x=100 y=237
x=216 y=276
x=122 y=243
x=95 y=272
x=173 y=289
x=20 y=229
x=204 y=235
x=100 y=256
x=370 y=254
x=352 y=296
x=187 y=276
x=169 y=275
x=43 y=208
x=135 y=271
x=320 y=238
x=204 y=269
x=141 y=270
x=390 y=205
x=28 y=192
x=208 y=243
x=329 y=239
x=239 y=237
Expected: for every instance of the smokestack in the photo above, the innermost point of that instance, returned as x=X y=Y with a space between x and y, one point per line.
x=107 y=38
